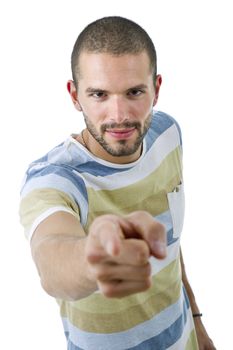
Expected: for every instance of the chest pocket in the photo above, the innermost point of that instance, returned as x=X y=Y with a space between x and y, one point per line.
x=176 y=203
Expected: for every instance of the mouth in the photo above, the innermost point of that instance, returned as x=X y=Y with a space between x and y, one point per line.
x=121 y=134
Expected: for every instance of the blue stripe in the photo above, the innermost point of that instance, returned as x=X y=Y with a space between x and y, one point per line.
x=163 y=340
x=168 y=337
x=97 y=169
x=62 y=171
x=170 y=238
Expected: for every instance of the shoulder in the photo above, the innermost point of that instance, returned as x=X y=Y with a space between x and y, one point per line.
x=56 y=169
x=161 y=122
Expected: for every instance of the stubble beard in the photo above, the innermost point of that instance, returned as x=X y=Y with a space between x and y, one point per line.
x=122 y=149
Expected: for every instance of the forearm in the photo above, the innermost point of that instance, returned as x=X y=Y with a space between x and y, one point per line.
x=204 y=341
x=191 y=296
x=188 y=288
x=62 y=267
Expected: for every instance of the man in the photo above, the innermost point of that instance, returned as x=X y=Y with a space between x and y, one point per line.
x=104 y=210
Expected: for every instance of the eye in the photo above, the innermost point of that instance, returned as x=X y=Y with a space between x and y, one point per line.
x=135 y=92
x=98 y=94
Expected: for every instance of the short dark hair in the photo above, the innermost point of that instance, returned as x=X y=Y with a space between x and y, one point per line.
x=114 y=35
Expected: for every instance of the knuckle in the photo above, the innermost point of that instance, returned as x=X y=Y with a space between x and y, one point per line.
x=108 y=290
x=102 y=220
x=145 y=272
x=102 y=273
x=92 y=257
x=142 y=253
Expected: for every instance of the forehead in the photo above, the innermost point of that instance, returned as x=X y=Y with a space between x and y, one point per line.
x=103 y=67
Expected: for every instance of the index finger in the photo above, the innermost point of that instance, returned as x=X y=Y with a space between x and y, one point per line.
x=107 y=231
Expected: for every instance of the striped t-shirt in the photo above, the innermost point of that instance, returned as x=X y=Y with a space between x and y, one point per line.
x=69 y=178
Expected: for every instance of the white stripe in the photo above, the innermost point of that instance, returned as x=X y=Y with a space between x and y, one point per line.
x=164 y=145
x=172 y=254
x=129 y=338
x=43 y=216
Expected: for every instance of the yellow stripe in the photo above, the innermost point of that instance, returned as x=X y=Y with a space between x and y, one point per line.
x=39 y=201
x=102 y=315
x=149 y=193
x=192 y=341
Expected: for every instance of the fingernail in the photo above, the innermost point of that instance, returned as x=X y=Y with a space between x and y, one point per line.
x=159 y=248
x=110 y=248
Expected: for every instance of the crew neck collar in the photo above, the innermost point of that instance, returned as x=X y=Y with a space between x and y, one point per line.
x=72 y=139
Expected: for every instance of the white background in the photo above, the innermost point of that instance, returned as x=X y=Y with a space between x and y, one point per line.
x=194 y=45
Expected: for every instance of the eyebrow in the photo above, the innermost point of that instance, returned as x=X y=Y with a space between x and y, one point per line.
x=137 y=87
x=90 y=89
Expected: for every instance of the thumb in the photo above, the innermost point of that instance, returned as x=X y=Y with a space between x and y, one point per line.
x=158 y=248
x=151 y=231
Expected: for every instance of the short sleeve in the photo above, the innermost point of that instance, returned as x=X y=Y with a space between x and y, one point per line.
x=38 y=204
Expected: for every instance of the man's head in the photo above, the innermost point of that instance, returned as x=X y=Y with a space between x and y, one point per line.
x=116 y=36
x=115 y=86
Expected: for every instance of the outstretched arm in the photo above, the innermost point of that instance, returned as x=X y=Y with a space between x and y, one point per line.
x=58 y=246
x=113 y=257
x=204 y=341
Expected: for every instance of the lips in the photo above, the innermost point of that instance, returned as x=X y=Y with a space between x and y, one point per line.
x=121 y=134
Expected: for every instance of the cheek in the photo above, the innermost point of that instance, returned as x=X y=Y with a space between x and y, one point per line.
x=95 y=114
x=143 y=108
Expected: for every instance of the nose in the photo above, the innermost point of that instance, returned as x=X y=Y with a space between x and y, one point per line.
x=118 y=109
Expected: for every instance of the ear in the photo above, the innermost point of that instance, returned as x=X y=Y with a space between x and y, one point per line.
x=73 y=94
x=158 y=83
